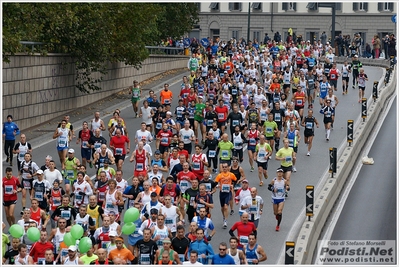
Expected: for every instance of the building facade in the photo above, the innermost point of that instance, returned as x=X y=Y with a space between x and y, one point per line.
x=230 y=19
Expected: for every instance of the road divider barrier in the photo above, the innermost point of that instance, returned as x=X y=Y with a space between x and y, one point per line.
x=307 y=239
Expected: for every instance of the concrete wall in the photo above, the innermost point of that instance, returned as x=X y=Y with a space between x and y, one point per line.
x=39 y=88
x=306 y=242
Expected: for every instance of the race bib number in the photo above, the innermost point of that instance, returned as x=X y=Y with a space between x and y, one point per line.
x=309 y=125
x=288 y=159
x=277 y=117
x=243 y=240
x=41 y=261
x=159 y=125
x=181 y=257
x=235 y=122
x=78 y=197
x=262 y=154
x=263 y=116
x=56 y=201
x=145 y=259
x=225 y=188
x=209 y=123
x=269 y=130
x=208 y=187
x=62 y=142
x=110 y=206
x=9 y=189
x=70 y=174
x=85 y=144
x=104 y=244
x=234 y=91
x=66 y=214
x=196 y=166
x=225 y=154
x=253 y=209
x=221 y=116
x=299 y=102
x=39 y=196
x=139 y=167
x=168 y=221
x=164 y=140
x=276 y=99
x=97 y=145
x=26 y=184
x=118 y=151
x=186 y=137
x=252 y=142
x=21 y=156
x=167 y=101
x=212 y=153
x=101 y=196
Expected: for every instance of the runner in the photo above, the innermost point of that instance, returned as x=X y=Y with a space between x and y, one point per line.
x=262 y=153
x=10 y=130
x=253 y=205
x=11 y=186
x=334 y=104
x=294 y=138
x=71 y=169
x=63 y=136
x=21 y=148
x=237 y=254
x=254 y=252
x=253 y=137
x=27 y=172
x=308 y=122
x=225 y=148
x=97 y=123
x=286 y=155
x=244 y=229
x=142 y=158
x=84 y=136
x=328 y=112
x=278 y=187
x=225 y=180
x=135 y=91
x=361 y=80
x=117 y=143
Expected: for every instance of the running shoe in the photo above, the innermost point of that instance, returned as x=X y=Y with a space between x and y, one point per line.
x=196 y=141
x=91 y=164
x=22 y=212
x=286 y=194
x=293 y=169
x=8 y=159
x=327 y=139
x=252 y=169
x=308 y=154
x=261 y=183
x=360 y=101
x=10 y=163
x=353 y=87
x=225 y=224
x=231 y=212
x=277 y=228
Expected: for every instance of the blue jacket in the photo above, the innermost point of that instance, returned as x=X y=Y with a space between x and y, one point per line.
x=8 y=130
x=219 y=260
x=203 y=247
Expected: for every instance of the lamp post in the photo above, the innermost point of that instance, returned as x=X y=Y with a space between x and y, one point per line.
x=249 y=21
x=333 y=8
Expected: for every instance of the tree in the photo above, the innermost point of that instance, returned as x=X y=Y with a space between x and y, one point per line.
x=94 y=34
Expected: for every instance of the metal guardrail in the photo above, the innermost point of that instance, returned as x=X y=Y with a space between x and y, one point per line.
x=37 y=47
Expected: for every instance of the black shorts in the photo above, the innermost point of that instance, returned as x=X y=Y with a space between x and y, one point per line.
x=220 y=124
x=261 y=123
x=9 y=203
x=295 y=149
x=225 y=198
x=333 y=83
x=243 y=127
x=308 y=133
x=163 y=149
x=297 y=108
x=345 y=79
x=362 y=88
x=285 y=86
x=228 y=161
x=262 y=164
x=269 y=137
x=286 y=169
x=327 y=120
x=119 y=157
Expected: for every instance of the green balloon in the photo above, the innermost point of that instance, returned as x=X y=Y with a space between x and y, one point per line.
x=77 y=231
x=33 y=234
x=131 y=215
x=69 y=240
x=128 y=228
x=16 y=231
x=85 y=244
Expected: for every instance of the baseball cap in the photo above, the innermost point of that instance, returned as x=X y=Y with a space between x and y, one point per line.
x=154 y=211
x=225 y=71
x=39 y=172
x=71 y=150
x=72 y=248
x=244 y=181
x=154 y=194
x=200 y=96
x=168 y=113
x=112 y=233
x=280 y=170
x=157 y=152
x=106 y=161
x=356 y=56
x=166 y=240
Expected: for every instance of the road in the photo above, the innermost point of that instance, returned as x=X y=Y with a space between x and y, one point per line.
x=372 y=184
x=310 y=169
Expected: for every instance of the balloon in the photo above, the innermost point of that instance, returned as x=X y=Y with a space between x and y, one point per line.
x=16 y=231
x=33 y=234
x=128 y=228
x=131 y=215
x=77 y=231
x=69 y=240
x=85 y=244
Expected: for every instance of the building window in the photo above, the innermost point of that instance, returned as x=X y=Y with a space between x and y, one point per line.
x=385 y=6
x=214 y=6
x=256 y=35
x=289 y=6
x=198 y=6
x=235 y=6
x=235 y=34
x=257 y=6
x=360 y=6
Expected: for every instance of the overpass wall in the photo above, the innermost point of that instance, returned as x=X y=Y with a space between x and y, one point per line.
x=39 y=88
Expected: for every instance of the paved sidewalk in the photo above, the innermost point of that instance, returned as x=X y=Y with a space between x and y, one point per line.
x=42 y=133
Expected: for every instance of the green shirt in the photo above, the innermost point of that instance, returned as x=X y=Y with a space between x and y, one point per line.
x=225 y=150
x=86 y=259
x=285 y=153
x=270 y=126
x=136 y=92
x=4 y=240
x=199 y=112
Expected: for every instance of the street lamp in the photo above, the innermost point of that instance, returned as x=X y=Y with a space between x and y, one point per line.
x=333 y=7
x=249 y=20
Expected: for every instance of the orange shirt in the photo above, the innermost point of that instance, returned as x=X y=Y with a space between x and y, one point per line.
x=124 y=254
x=166 y=97
x=275 y=87
x=226 y=181
x=228 y=66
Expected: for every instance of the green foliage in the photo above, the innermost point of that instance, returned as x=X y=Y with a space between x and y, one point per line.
x=94 y=34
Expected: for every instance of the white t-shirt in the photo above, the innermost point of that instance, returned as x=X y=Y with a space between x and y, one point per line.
x=185 y=135
x=51 y=176
x=189 y=263
x=146 y=115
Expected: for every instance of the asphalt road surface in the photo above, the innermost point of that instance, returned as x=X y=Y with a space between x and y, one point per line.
x=310 y=169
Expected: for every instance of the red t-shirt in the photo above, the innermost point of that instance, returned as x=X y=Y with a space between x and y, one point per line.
x=165 y=140
x=119 y=144
x=186 y=176
x=243 y=229
x=9 y=185
x=222 y=113
x=183 y=152
x=38 y=249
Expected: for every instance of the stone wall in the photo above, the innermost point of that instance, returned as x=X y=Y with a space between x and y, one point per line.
x=39 y=88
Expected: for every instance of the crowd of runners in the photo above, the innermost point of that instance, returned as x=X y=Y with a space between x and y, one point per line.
x=243 y=97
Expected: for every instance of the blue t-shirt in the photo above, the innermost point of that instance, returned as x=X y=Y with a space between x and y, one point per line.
x=219 y=260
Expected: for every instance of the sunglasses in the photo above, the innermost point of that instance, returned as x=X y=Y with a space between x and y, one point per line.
x=222 y=249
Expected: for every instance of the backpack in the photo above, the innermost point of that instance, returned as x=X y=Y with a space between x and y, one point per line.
x=29 y=167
